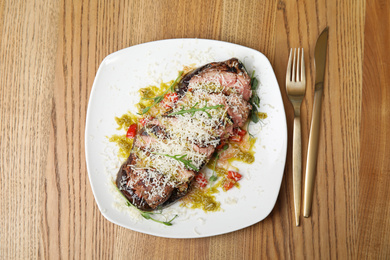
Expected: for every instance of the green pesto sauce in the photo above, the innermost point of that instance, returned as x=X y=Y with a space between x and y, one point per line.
x=126 y=120
x=262 y=115
x=147 y=94
x=125 y=144
x=202 y=199
x=246 y=157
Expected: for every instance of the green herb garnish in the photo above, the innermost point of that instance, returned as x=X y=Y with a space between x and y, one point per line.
x=145 y=214
x=254 y=81
x=193 y=109
x=254 y=101
x=180 y=158
x=148 y=215
x=159 y=98
x=214 y=177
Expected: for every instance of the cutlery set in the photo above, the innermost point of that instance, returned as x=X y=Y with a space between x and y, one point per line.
x=296 y=88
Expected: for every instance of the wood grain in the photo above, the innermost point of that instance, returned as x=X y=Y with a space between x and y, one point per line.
x=374 y=205
x=49 y=54
x=26 y=74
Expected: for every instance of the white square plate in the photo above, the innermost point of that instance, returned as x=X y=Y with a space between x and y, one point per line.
x=114 y=92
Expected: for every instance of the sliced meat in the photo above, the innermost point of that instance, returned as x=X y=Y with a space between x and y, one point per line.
x=155 y=174
x=143 y=140
x=238 y=109
x=185 y=175
x=230 y=74
x=225 y=131
x=146 y=189
x=208 y=151
x=149 y=185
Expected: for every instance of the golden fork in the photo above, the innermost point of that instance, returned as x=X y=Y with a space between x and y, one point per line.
x=296 y=88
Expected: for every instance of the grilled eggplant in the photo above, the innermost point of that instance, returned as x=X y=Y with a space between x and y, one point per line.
x=169 y=151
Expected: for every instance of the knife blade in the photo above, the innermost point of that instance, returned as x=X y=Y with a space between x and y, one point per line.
x=312 y=151
x=320 y=57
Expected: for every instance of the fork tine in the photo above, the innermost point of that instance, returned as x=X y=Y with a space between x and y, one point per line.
x=303 y=73
x=298 y=67
x=288 y=74
x=293 y=68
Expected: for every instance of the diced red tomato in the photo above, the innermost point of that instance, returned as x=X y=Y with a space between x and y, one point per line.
x=170 y=99
x=220 y=146
x=231 y=179
x=229 y=183
x=234 y=175
x=236 y=138
x=143 y=121
x=240 y=132
x=201 y=180
x=132 y=131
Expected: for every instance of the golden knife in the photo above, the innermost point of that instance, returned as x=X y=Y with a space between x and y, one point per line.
x=312 y=151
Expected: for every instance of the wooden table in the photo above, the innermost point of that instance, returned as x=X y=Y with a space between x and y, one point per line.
x=49 y=54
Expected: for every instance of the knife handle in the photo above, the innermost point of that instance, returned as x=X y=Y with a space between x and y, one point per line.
x=297 y=167
x=312 y=152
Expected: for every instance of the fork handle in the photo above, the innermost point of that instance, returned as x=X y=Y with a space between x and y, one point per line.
x=297 y=167
x=312 y=153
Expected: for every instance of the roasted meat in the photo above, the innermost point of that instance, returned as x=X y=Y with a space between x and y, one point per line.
x=169 y=151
